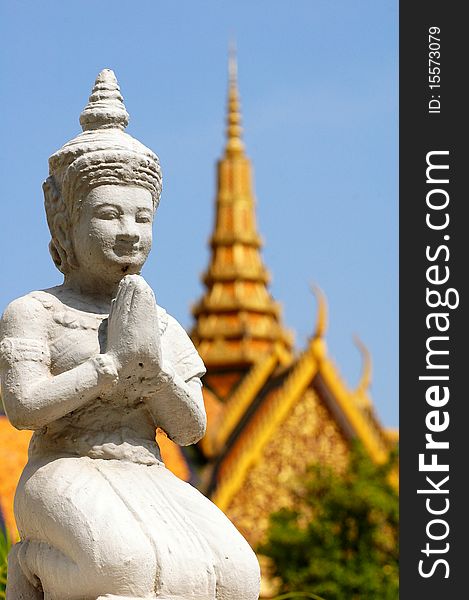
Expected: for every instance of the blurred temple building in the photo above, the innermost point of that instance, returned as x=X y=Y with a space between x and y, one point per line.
x=271 y=410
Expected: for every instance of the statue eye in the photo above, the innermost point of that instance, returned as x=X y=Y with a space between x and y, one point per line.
x=143 y=218
x=108 y=214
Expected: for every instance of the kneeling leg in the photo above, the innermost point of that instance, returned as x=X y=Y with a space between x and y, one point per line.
x=19 y=586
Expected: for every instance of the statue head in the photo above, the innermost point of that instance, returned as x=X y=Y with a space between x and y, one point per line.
x=88 y=168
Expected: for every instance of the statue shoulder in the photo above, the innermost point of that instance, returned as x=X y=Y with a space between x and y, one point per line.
x=26 y=316
x=163 y=319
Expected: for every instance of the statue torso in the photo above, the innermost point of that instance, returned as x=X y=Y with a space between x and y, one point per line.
x=113 y=425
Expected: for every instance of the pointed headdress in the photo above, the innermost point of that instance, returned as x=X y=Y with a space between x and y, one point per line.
x=103 y=154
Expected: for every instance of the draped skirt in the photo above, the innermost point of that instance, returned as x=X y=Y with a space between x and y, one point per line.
x=93 y=527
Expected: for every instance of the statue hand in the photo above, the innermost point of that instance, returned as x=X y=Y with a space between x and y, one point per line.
x=133 y=334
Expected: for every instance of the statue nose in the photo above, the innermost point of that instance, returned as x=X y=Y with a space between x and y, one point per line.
x=129 y=231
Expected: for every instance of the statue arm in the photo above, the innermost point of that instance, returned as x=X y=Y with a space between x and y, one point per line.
x=177 y=406
x=175 y=398
x=32 y=396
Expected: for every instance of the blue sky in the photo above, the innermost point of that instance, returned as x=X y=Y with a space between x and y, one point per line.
x=318 y=82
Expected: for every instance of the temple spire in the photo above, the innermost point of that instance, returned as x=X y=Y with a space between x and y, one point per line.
x=234 y=143
x=237 y=320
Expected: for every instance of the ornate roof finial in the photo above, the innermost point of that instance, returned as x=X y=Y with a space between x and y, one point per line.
x=232 y=64
x=321 y=318
x=105 y=108
x=365 y=378
x=234 y=145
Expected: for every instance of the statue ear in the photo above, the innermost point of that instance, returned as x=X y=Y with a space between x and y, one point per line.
x=60 y=246
x=63 y=241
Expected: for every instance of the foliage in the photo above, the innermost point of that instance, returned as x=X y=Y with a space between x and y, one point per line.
x=297 y=595
x=4 y=549
x=341 y=541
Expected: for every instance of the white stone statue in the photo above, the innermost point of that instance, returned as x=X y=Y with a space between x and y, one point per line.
x=93 y=366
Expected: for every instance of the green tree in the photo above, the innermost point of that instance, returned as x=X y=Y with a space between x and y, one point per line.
x=341 y=541
x=4 y=549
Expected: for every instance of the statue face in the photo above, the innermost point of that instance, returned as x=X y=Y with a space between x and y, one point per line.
x=113 y=235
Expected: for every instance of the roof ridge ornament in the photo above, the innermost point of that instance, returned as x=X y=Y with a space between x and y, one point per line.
x=367 y=366
x=322 y=311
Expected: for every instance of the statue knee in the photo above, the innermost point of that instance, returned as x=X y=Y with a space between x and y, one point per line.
x=238 y=575
x=38 y=569
x=135 y=558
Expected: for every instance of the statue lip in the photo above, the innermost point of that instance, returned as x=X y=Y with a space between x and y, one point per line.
x=122 y=248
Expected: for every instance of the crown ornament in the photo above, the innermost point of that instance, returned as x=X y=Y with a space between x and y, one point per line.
x=103 y=154
x=105 y=108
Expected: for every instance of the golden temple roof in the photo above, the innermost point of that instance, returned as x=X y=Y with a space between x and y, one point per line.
x=13 y=458
x=237 y=319
x=263 y=401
